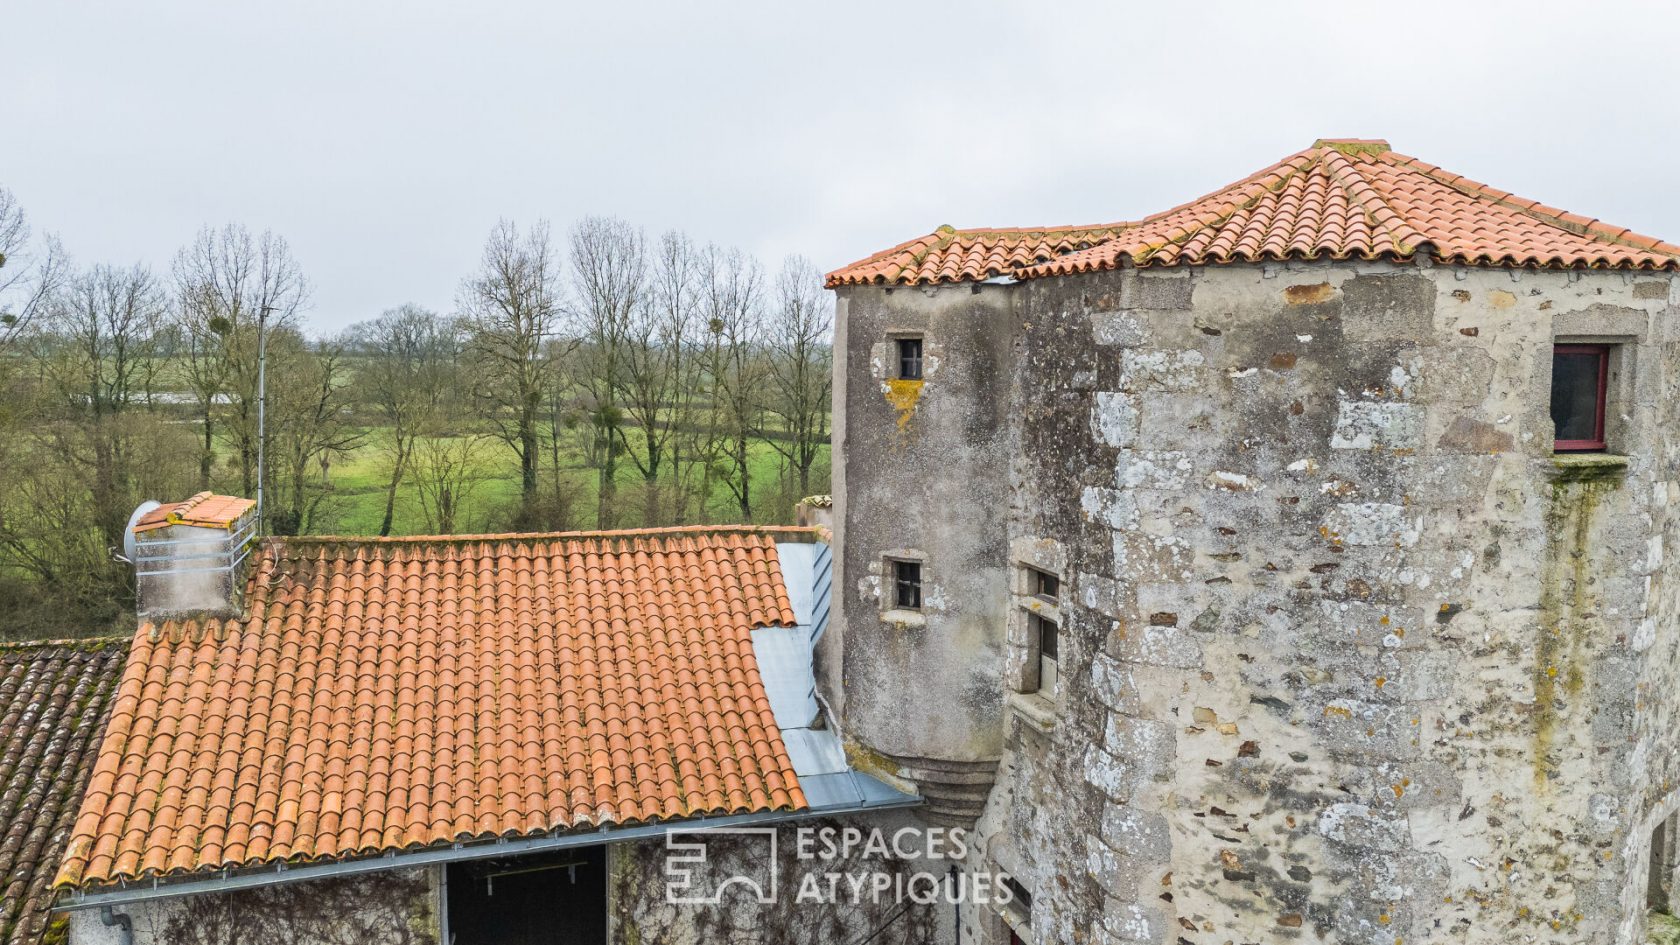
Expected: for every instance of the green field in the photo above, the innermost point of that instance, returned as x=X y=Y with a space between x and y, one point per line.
x=355 y=503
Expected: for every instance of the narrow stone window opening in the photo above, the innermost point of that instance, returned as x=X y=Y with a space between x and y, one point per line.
x=907 y=585
x=1021 y=904
x=1659 y=885
x=910 y=359
x=1045 y=633
x=1580 y=380
x=1044 y=627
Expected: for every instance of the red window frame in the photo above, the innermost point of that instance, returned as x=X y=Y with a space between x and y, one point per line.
x=1603 y=352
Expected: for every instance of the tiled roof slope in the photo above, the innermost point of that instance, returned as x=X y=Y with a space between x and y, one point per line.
x=206 y=510
x=949 y=255
x=53 y=702
x=1339 y=199
x=394 y=694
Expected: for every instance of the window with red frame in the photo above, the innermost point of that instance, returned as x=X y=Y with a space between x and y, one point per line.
x=1580 y=376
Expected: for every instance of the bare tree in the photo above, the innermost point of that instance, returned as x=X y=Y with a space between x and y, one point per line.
x=801 y=359
x=736 y=370
x=226 y=279
x=659 y=378
x=609 y=275
x=88 y=450
x=27 y=279
x=409 y=360
x=309 y=427
x=447 y=471
x=99 y=341
x=511 y=306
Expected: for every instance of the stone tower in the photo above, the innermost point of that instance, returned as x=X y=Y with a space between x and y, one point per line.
x=1287 y=566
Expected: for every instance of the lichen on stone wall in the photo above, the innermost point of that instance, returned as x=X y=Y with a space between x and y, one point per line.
x=1566 y=604
x=1662 y=929
x=903 y=395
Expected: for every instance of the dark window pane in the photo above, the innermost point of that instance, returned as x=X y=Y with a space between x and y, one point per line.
x=907 y=585
x=1020 y=894
x=910 y=359
x=1577 y=404
x=1046 y=631
x=1045 y=584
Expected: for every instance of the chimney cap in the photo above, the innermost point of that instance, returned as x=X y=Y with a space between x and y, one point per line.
x=205 y=510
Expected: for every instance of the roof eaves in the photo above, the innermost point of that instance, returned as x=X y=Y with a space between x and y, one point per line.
x=220 y=881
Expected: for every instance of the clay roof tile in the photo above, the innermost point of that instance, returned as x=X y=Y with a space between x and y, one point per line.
x=556 y=682
x=1340 y=199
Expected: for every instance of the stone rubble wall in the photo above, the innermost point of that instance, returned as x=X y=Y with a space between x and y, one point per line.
x=1346 y=656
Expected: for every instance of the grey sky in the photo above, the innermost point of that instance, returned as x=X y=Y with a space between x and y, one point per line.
x=383 y=139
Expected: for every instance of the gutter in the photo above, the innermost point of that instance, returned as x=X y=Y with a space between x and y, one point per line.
x=227 y=881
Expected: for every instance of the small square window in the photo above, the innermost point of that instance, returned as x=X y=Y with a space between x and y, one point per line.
x=1580 y=376
x=907 y=585
x=910 y=359
x=1043 y=585
x=1046 y=635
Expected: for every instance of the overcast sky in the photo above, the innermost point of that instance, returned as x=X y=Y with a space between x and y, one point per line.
x=384 y=139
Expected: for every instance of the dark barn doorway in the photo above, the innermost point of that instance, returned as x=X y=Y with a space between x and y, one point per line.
x=555 y=898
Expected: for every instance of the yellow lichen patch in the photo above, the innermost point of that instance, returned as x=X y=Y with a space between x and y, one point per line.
x=903 y=395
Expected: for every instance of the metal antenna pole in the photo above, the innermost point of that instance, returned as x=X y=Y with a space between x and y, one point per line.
x=262 y=404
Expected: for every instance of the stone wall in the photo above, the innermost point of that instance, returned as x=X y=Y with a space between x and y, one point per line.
x=1346 y=655
x=823 y=891
x=391 y=908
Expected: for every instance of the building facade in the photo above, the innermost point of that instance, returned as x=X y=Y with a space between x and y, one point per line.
x=1255 y=569
x=1287 y=566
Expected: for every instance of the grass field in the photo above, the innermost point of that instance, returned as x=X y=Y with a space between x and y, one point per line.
x=356 y=500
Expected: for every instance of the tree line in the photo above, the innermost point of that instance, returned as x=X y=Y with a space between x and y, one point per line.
x=600 y=379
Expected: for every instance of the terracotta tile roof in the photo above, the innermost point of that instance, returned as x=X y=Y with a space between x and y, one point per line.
x=54 y=698
x=392 y=694
x=1339 y=199
x=950 y=255
x=206 y=510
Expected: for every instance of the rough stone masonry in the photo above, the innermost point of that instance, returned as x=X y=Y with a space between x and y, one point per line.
x=1347 y=654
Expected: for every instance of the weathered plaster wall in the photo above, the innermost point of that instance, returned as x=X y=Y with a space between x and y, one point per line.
x=392 y=908
x=923 y=473
x=1346 y=655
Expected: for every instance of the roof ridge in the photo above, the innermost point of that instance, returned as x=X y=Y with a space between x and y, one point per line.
x=1342 y=166
x=1254 y=188
x=654 y=532
x=103 y=640
x=1580 y=225
x=1029 y=230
